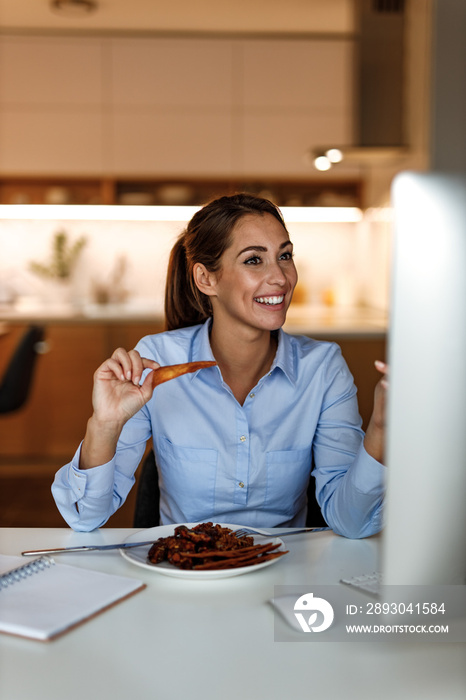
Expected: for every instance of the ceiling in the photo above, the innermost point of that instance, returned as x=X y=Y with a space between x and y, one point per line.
x=219 y=16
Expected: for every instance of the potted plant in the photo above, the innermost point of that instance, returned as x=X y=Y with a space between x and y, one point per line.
x=58 y=270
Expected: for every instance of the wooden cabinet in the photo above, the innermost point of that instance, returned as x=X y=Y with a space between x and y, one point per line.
x=360 y=355
x=56 y=190
x=185 y=191
x=42 y=436
x=53 y=422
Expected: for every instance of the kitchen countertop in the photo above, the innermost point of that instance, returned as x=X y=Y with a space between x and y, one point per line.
x=336 y=321
x=317 y=321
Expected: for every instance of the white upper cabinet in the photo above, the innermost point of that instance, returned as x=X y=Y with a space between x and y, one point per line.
x=295 y=94
x=51 y=105
x=171 y=106
x=311 y=75
x=45 y=71
x=170 y=73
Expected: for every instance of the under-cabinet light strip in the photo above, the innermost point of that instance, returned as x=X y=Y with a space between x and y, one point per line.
x=99 y=212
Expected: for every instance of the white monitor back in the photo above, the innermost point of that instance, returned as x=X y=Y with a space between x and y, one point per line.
x=424 y=540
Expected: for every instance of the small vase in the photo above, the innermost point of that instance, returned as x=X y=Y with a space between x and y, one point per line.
x=58 y=293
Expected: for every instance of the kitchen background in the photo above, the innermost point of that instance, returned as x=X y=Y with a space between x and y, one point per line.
x=340 y=265
x=135 y=108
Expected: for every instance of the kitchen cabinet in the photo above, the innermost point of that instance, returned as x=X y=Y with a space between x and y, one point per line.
x=53 y=421
x=360 y=355
x=173 y=107
x=63 y=189
x=42 y=436
x=60 y=189
x=104 y=120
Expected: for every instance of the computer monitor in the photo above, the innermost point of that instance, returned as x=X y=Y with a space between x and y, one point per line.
x=424 y=539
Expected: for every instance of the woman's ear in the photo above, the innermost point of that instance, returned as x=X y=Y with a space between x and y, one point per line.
x=204 y=280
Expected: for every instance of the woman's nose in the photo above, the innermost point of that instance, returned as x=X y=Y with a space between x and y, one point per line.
x=276 y=275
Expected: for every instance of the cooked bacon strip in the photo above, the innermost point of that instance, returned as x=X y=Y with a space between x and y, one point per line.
x=164 y=374
x=244 y=551
x=236 y=562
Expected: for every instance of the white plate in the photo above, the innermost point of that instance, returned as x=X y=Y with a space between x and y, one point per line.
x=138 y=555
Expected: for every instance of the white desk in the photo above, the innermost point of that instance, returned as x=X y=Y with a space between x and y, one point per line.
x=185 y=639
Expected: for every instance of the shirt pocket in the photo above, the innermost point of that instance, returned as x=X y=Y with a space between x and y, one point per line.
x=288 y=474
x=188 y=477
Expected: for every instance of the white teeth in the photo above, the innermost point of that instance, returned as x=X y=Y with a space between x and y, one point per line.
x=270 y=300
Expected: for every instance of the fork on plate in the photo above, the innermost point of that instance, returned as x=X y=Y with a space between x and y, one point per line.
x=245 y=531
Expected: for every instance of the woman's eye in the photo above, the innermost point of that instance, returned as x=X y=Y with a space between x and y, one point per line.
x=287 y=256
x=253 y=260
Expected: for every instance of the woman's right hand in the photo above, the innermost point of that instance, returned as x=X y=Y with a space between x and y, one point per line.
x=374 y=440
x=117 y=395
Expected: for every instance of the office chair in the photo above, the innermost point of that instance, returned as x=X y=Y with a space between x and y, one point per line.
x=146 y=512
x=16 y=382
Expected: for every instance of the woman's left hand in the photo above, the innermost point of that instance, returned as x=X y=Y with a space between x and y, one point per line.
x=374 y=440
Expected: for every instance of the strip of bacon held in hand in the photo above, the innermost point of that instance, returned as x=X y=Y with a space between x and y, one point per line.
x=164 y=374
x=207 y=546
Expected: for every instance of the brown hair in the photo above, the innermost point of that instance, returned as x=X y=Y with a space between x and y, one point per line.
x=205 y=239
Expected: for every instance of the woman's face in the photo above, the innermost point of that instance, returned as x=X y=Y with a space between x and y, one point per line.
x=257 y=275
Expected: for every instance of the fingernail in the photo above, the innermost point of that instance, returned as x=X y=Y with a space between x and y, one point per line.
x=128 y=375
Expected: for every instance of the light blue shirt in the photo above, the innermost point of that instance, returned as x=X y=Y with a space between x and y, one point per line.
x=244 y=464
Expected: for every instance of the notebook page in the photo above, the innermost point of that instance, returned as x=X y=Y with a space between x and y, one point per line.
x=46 y=604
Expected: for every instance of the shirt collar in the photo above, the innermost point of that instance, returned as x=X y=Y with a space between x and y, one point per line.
x=284 y=358
x=200 y=348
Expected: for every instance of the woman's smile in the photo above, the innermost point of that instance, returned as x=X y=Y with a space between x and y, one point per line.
x=270 y=301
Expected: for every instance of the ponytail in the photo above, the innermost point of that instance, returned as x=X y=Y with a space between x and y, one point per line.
x=184 y=303
x=207 y=236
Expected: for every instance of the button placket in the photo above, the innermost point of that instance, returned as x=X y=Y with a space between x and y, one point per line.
x=242 y=458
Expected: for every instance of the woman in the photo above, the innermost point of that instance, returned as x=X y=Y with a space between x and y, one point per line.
x=234 y=442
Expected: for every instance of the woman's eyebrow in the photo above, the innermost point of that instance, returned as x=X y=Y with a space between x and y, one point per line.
x=261 y=248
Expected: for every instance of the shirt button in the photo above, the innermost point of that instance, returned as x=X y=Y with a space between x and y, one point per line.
x=241 y=485
x=252 y=395
x=243 y=438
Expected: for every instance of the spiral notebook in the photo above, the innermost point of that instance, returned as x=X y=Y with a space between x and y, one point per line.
x=42 y=599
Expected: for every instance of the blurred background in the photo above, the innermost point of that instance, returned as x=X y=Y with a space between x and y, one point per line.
x=119 y=119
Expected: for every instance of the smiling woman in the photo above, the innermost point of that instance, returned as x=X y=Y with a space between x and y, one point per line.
x=237 y=440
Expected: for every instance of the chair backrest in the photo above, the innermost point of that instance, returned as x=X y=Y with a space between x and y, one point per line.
x=146 y=511
x=16 y=382
x=314 y=516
